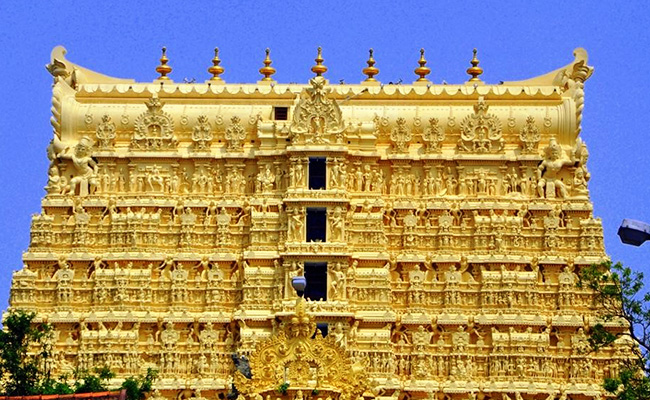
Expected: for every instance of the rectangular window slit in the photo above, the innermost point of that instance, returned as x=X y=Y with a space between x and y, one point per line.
x=280 y=113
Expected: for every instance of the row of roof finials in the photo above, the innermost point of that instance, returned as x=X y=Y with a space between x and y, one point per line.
x=319 y=69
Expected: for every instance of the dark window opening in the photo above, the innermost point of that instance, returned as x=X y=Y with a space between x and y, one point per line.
x=316 y=276
x=280 y=113
x=316 y=224
x=317 y=168
x=323 y=327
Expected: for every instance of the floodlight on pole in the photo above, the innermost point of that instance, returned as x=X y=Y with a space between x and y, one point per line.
x=299 y=283
x=634 y=232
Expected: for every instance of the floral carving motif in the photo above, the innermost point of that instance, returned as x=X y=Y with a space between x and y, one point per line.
x=291 y=355
x=154 y=129
x=317 y=116
x=235 y=135
x=481 y=132
x=529 y=136
x=105 y=133
x=202 y=134
x=433 y=136
x=401 y=135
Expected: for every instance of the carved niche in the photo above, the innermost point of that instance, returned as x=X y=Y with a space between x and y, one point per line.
x=235 y=135
x=401 y=136
x=317 y=117
x=154 y=129
x=105 y=133
x=202 y=134
x=295 y=355
x=481 y=132
x=433 y=136
x=529 y=136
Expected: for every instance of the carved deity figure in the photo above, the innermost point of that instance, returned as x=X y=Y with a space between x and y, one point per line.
x=339 y=335
x=401 y=136
x=296 y=226
x=265 y=180
x=336 y=224
x=481 y=132
x=202 y=134
x=549 y=184
x=235 y=135
x=529 y=136
x=105 y=133
x=581 y=175
x=316 y=117
x=337 y=282
x=433 y=136
x=86 y=170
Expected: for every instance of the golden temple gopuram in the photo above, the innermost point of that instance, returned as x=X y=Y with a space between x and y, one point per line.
x=440 y=229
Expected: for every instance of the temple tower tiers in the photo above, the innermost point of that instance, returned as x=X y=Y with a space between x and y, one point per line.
x=440 y=229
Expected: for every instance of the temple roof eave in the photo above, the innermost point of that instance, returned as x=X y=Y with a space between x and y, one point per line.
x=339 y=92
x=90 y=84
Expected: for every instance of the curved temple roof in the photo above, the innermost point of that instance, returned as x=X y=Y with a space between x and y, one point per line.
x=91 y=83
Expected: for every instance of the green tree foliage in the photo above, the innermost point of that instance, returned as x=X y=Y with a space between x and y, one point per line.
x=138 y=387
x=22 y=372
x=619 y=295
x=93 y=382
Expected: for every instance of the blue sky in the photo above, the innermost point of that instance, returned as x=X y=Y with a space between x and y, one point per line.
x=516 y=40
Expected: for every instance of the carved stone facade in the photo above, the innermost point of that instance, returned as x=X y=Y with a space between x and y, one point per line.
x=457 y=218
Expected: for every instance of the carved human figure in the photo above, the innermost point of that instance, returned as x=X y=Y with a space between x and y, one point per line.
x=337 y=282
x=299 y=174
x=353 y=332
x=55 y=182
x=549 y=185
x=339 y=335
x=336 y=224
x=86 y=176
x=581 y=175
x=296 y=225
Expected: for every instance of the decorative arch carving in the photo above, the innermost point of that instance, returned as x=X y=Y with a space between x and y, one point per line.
x=306 y=363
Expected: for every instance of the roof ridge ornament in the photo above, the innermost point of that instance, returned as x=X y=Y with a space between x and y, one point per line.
x=216 y=69
x=267 y=70
x=163 y=69
x=371 y=70
x=474 y=70
x=422 y=71
x=316 y=117
x=319 y=69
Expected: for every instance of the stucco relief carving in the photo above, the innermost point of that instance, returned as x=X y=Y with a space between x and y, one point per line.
x=401 y=136
x=202 y=134
x=450 y=271
x=529 y=136
x=105 y=133
x=154 y=129
x=481 y=132
x=433 y=136
x=317 y=118
x=291 y=355
x=235 y=135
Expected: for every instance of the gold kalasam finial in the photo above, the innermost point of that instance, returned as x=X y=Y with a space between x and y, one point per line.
x=163 y=69
x=422 y=71
x=371 y=70
x=216 y=69
x=474 y=70
x=319 y=69
x=267 y=70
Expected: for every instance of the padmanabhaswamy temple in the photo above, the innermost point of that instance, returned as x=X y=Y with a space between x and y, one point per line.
x=440 y=229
